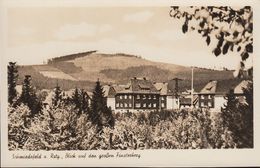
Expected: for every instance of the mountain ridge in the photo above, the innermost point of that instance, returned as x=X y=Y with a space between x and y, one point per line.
x=114 y=69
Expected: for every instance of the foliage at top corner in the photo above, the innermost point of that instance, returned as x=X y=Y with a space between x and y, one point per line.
x=232 y=27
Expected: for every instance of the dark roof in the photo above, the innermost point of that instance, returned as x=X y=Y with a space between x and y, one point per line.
x=163 y=87
x=139 y=85
x=224 y=86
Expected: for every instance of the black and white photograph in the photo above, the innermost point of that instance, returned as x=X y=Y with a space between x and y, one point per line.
x=128 y=79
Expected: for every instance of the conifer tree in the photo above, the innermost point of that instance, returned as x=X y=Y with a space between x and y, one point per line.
x=28 y=96
x=76 y=99
x=57 y=98
x=100 y=115
x=238 y=118
x=84 y=101
x=12 y=80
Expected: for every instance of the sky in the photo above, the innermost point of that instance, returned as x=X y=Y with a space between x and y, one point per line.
x=36 y=34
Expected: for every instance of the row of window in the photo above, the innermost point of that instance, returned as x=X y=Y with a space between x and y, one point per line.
x=202 y=104
x=123 y=105
x=139 y=97
x=138 y=105
x=125 y=97
x=203 y=97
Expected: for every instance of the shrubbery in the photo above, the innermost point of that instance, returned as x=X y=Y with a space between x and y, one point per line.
x=63 y=129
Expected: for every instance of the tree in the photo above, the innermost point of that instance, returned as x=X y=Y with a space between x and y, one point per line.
x=12 y=80
x=28 y=96
x=57 y=98
x=80 y=100
x=231 y=27
x=100 y=114
x=18 y=120
x=238 y=118
x=84 y=101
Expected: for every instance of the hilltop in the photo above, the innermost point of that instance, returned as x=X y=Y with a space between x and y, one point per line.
x=83 y=69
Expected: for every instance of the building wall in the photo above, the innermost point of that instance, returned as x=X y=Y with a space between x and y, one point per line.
x=124 y=101
x=207 y=100
x=163 y=102
x=169 y=102
x=111 y=102
x=137 y=101
x=219 y=102
x=146 y=101
x=172 y=103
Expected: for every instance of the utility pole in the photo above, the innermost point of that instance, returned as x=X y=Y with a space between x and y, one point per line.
x=192 y=87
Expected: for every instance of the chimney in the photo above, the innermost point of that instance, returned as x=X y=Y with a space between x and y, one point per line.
x=134 y=78
x=144 y=78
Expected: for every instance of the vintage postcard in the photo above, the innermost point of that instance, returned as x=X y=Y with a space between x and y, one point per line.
x=129 y=83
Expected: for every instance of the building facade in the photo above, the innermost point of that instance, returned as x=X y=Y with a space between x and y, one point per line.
x=212 y=96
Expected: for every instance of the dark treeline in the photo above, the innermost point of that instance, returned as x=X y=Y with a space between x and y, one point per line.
x=43 y=82
x=70 y=57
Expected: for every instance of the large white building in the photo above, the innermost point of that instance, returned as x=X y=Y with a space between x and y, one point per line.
x=140 y=94
x=213 y=95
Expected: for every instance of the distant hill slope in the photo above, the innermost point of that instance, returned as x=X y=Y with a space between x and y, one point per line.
x=83 y=69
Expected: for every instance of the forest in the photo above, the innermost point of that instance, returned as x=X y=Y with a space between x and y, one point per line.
x=75 y=123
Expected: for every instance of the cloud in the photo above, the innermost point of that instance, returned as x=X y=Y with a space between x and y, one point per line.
x=138 y=17
x=73 y=31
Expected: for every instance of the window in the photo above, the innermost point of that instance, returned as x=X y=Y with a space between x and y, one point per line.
x=209 y=96
x=154 y=97
x=121 y=104
x=120 y=97
x=125 y=96
x=144 y=105
x=130 y=97
x=154 y=105
x=202 y=104
x=138 y=105
x=117 y=104
x=162 y=98
x=144 y=96
x=150 y=105
x=149 y=97
x=209 y=104
x=202 y=96
x=130 y=105
x=163 y=105
x=137 y=96
x=126 y=105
